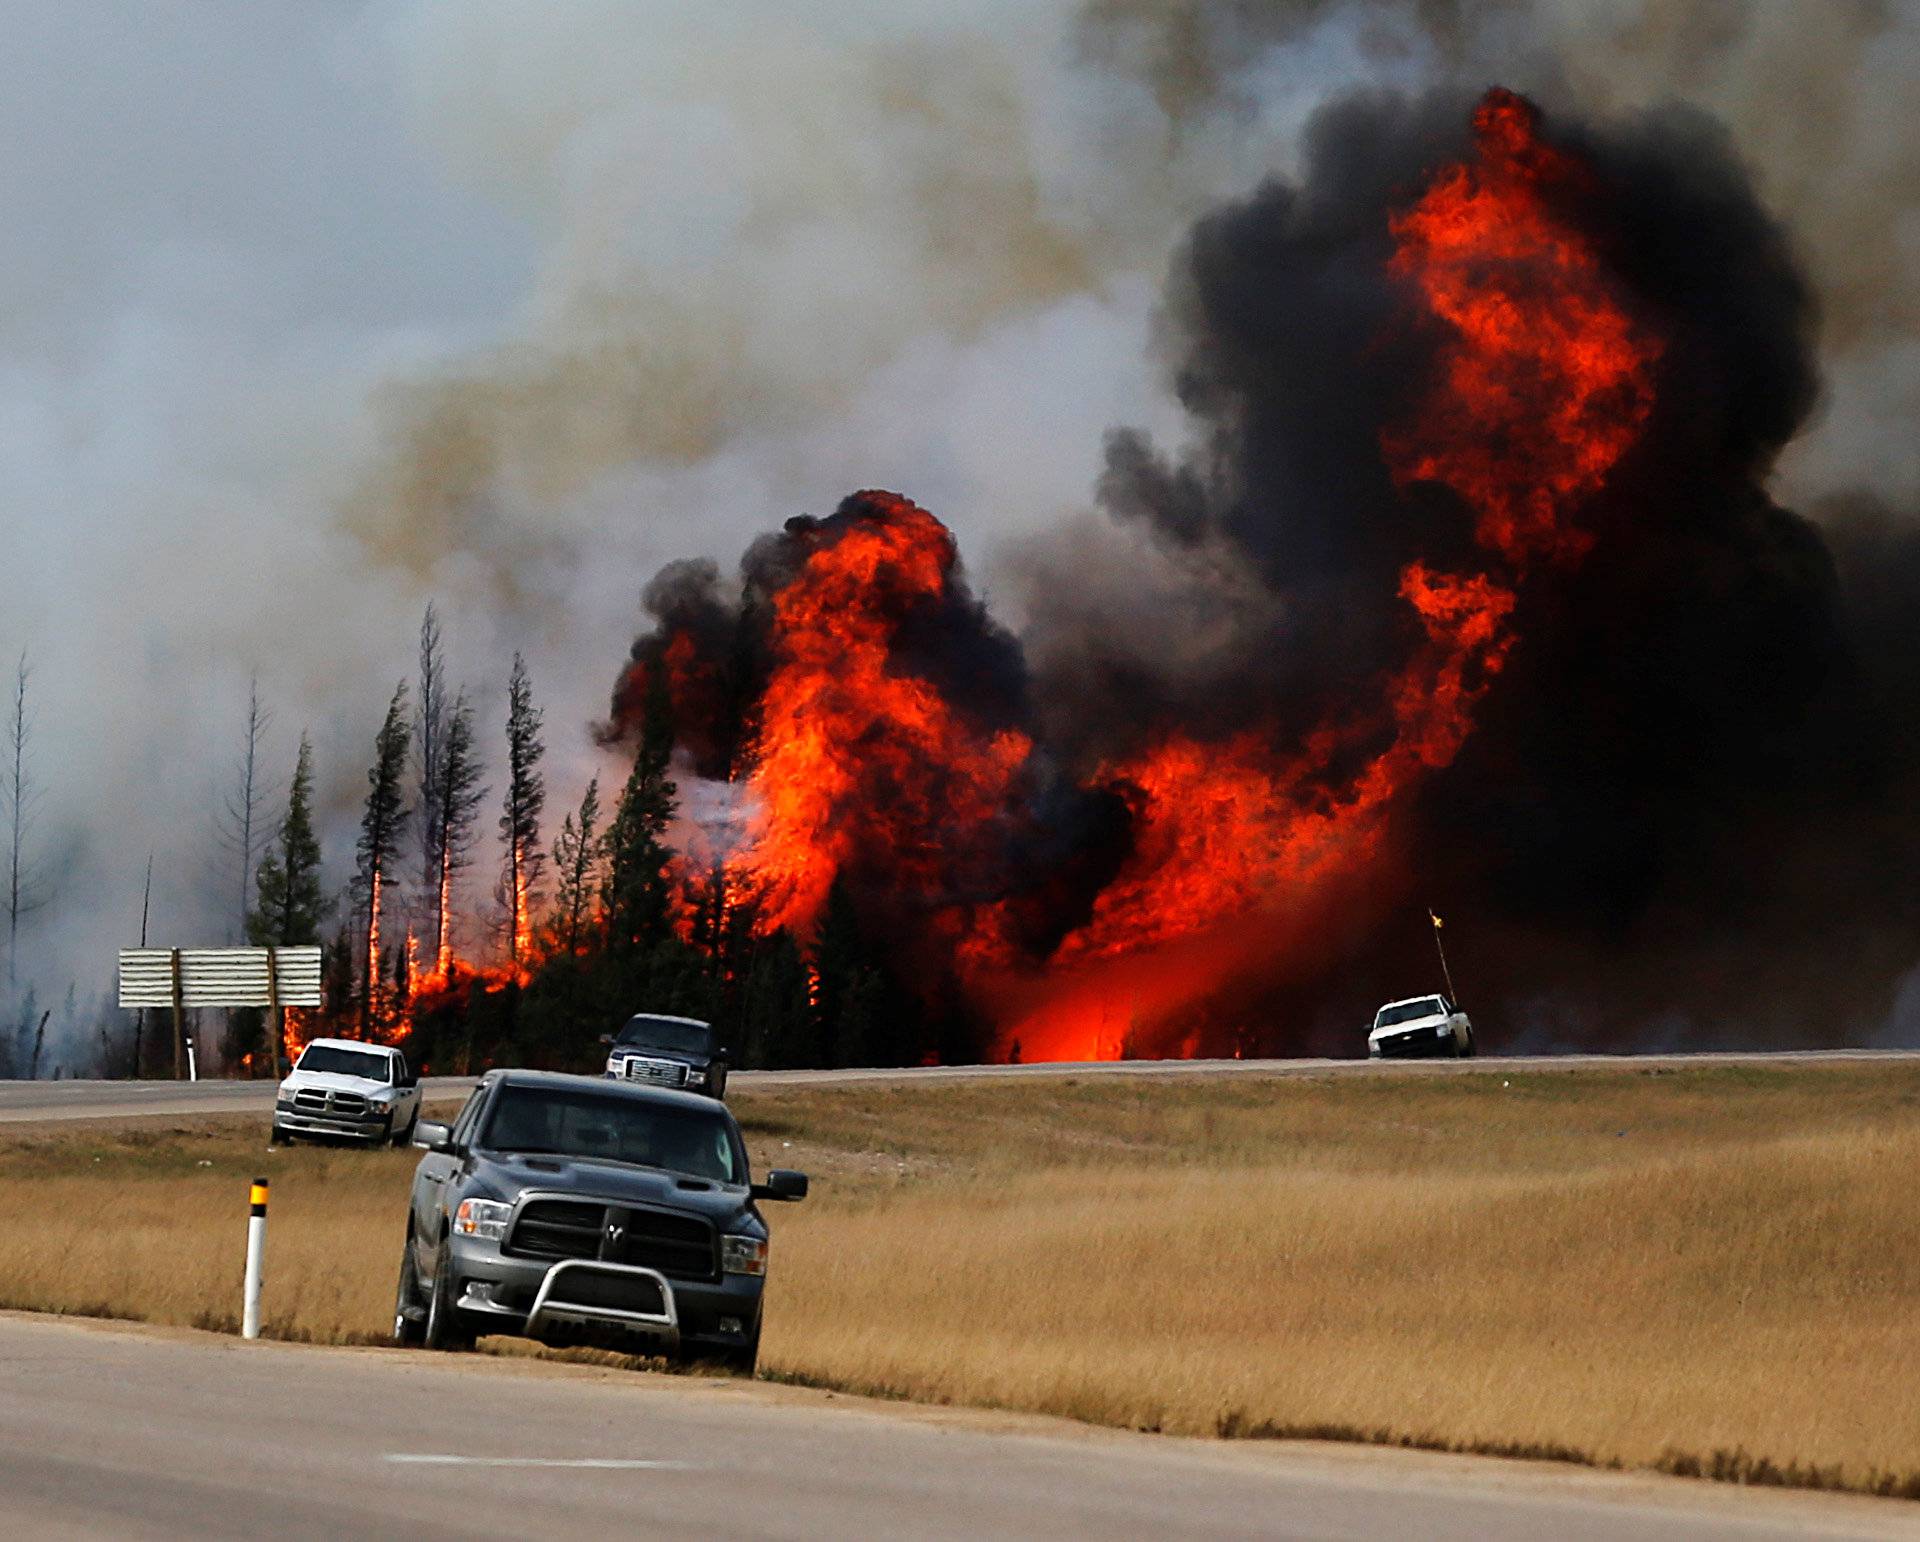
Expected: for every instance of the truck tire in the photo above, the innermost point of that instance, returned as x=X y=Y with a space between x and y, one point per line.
x=409 y=1318
x=276 y=1136
x=444 y=1329
x=405 y=1137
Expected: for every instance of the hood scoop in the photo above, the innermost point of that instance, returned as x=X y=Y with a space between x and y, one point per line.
x=542 y=1165
x=693 y=1185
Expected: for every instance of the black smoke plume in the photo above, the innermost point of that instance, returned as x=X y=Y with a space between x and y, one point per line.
x=1683 y=813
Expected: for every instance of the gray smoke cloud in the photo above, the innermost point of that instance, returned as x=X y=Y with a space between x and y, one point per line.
x=315 y=313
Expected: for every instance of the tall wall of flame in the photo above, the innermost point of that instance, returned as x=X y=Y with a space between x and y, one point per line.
x=1483 y=413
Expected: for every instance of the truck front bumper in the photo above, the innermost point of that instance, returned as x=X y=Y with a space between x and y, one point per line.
x=581 y=1300
x=373 y=1128
x=1421 y=1043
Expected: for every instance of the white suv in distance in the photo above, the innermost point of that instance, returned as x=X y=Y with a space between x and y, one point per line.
x=1420 y=1025
x=342 y=1087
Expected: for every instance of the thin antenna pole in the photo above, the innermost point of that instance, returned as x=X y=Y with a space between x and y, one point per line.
x=1440 y=948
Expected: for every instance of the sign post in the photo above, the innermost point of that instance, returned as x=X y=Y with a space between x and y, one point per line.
x=277 y=1022
x=179 y=997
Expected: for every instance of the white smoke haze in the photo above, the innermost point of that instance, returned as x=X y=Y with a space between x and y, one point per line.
x=315 y=313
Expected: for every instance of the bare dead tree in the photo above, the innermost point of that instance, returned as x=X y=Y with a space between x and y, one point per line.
x=429 y=752
x=240 y=825
x=27 y=888
x=140 y=1017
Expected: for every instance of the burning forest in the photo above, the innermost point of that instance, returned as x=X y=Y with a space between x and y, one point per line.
x=1465 y=590
x=1483 y=411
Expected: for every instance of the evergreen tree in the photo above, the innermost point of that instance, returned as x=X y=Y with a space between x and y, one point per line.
x=339 y=977
x=289 y=902
x=577 y=861
x=775 y=1020
x=520 y=815
x=853 y=992
x=382 y=827
x=456 y=804
x=637 y=856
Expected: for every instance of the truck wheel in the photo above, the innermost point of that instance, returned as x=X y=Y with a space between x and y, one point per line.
x=276 y=1136
x=409 y=1318
x=444 y=1330
x=720 y=1085
x=405 y=1137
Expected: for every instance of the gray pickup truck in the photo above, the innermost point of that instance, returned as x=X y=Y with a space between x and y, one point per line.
x=580 y=1210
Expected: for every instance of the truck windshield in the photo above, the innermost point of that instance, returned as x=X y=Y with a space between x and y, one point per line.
x=554 y=1122
x=665 y=1033
x=345 y=1062
x=1407 y=1011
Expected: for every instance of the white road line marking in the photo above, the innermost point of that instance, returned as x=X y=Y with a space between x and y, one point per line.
x=607 y=1463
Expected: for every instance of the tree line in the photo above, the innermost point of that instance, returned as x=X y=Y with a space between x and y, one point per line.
x=576 y=933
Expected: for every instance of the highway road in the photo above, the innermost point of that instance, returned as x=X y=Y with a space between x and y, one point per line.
x=43 y=1101
x=107 y=1429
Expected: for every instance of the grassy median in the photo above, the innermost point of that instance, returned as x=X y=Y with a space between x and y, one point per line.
x=1708 y=1270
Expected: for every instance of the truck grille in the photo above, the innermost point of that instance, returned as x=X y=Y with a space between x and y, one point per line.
x=341 y=1105
x=618 y=1292
x=679 y=1245
x=660 y=1073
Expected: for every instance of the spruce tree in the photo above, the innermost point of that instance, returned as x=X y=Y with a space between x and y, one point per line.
x=637 y=856
x=339 y=977
x=289 y=902
x=520 y=814
x=458 y=795
x=576 y=861
x=382 y=826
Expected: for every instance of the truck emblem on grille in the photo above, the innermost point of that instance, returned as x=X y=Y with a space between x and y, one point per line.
x=616 y=1233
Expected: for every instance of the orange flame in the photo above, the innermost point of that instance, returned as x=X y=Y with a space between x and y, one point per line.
x=1543 y=382
x=853 y=756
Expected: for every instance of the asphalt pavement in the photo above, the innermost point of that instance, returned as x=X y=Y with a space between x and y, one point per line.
x=46 y=1101
x=113 y=1430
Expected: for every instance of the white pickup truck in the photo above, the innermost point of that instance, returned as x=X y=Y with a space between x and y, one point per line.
x=344 y=1088
x=1420 y=1025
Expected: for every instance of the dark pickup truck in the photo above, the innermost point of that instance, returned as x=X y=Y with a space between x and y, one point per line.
x=668 y=1051
x=575 y=1210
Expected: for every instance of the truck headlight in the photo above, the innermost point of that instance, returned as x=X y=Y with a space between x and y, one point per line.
x=283 y=1100
x=743 y=1255
x=483 y=1218
x=696 y=1078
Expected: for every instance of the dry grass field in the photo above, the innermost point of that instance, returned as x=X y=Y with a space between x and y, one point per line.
x=1707 y=1270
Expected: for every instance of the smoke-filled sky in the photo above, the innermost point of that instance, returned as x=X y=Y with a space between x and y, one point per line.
x=319 y=312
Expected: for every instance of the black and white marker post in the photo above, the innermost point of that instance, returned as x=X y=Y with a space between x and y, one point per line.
x=256 y=1259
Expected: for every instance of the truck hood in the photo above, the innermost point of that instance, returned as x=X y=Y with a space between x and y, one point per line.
x=1430 y=1022
x=583 y=1178
x=334 y=1081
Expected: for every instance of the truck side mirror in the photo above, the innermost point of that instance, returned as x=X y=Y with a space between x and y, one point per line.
x=433 y=1137
x=782 y=1183
x=606 y=1038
